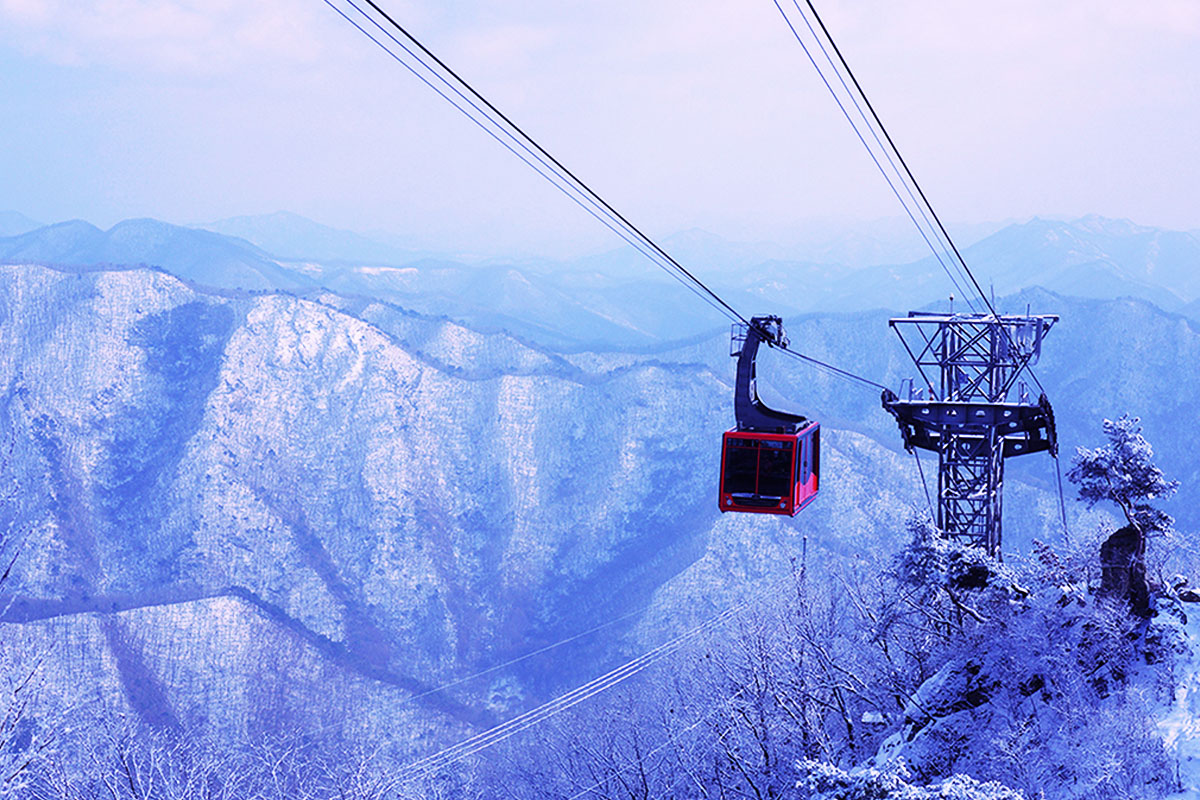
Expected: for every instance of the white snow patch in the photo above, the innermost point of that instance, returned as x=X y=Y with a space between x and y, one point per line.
x=306 y=267
x=406 y=271
x=1179 y=722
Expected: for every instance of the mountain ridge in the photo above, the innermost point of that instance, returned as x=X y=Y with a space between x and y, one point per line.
x=200 y=256
x=290 y=237
x=617 y=298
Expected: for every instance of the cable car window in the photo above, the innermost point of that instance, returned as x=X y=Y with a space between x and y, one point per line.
x=803 y=461
x=816 y=453
x=741 y=466
x=775 y=469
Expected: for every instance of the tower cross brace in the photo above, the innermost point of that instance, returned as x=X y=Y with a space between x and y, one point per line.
x=962 y=407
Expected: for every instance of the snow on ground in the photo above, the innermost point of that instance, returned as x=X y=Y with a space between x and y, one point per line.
x=1179 y=720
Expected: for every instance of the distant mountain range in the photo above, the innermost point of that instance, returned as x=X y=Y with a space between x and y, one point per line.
x=1089 y=257
x=14 y=224
x=291 y=237
x=196 y=255
x=617 y=297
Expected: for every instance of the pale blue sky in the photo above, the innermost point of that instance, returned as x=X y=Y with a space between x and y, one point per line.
x=701 y=113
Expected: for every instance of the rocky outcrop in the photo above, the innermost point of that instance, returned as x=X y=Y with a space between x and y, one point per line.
x=1123 y=567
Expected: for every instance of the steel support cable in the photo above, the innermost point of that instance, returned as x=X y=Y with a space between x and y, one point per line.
x=528 y=721
x=429 y=765
x=592 y=202
x=526 y=656
x=557 y=164
x=916 y=184
x=580 y=196
x=888 y=149
x=611 y=223
x=1062 y=503
x=869 y=150
x=510 y=662
x=925 y=486
x=552 y=170
x=832 y=369
x=432 y=764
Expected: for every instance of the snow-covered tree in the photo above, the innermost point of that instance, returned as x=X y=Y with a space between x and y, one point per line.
x=24 y=738
x=1123 y=472
x=942 y=569
x=892 y=782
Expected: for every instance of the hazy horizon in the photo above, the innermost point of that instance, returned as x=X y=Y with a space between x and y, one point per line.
x=684 y=116
x=894 y=233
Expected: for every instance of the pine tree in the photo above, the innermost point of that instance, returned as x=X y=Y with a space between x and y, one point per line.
x=1123 y=472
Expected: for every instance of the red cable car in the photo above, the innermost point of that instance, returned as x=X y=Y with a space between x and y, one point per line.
x=770 y=462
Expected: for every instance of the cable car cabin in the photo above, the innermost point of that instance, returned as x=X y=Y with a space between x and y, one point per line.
x=770 y=462
x=770 y=473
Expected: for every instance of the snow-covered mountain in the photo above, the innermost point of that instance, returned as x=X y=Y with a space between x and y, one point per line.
x=618 y=298
x=351 y=497
x=401 y=497
x=200 y=256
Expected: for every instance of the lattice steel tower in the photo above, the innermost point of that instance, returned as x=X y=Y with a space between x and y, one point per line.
x=969 y=364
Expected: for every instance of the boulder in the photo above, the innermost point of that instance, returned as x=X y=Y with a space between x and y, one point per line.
x=1123 y=567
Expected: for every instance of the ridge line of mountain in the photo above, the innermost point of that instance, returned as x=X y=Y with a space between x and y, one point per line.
x=570 y=372
x=27 y=610
x=610 y=302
